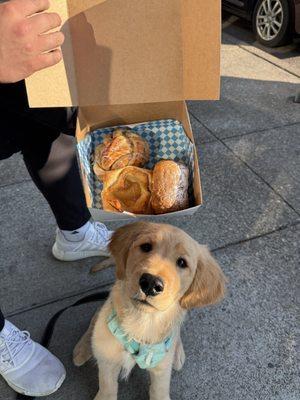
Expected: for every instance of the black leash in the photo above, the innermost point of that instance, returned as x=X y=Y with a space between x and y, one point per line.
x=48 y=333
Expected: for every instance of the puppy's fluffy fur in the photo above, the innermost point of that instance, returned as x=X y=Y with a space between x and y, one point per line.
x=150 y=319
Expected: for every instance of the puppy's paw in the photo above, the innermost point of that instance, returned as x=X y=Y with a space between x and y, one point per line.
x=105 y=397
x=179 y=357
x=159 y=398
x=81 y=355
x=107 y=263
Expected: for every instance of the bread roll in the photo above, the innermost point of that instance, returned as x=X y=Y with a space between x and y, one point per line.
x=119 y=150
x=169 y=189
x=127 y=189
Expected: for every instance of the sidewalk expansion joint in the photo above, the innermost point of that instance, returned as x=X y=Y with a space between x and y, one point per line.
x=264 y=130
x=15 y=183
x=270 y=62
x=245 y=46
x=222 y=141
x=262 y=235
x=58 y=300
x=109 y=284
x=240 y=135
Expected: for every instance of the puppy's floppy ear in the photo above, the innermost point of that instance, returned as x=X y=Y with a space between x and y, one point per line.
x=208 y=286
x=120 y=245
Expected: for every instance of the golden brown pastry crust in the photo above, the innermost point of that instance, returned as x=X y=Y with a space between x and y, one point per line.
x=119 y=150
x=127 y=189
x=169 y=187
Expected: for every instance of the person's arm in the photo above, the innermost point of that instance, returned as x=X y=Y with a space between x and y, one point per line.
x=25 y=45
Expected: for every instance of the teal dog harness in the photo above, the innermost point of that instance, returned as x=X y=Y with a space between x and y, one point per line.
x=145 y=355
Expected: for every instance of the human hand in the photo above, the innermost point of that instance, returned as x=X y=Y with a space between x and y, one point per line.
x=26 y=46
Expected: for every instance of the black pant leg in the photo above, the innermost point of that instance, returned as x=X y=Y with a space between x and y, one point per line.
x=49 y=155
x=1 y=321
x=54 y=169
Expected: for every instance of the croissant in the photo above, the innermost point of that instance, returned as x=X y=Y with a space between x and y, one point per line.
x=127 y=189
x=119 y=150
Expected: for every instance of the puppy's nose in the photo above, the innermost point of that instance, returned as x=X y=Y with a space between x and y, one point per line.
x=151 y=285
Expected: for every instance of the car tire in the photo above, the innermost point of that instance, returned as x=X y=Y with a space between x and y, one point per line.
x=272 y=30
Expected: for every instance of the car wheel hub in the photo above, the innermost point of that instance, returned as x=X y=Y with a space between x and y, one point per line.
x=269 y=19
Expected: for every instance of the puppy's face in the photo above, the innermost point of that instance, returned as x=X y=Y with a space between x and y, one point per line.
x=161 y=265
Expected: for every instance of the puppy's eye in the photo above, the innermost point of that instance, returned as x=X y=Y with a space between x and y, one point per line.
x=146 y=247
x=181 y=263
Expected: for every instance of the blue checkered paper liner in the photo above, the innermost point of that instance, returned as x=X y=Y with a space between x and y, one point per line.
x=166 y=138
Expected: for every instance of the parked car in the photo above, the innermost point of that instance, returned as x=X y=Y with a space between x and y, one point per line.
x=274 y=22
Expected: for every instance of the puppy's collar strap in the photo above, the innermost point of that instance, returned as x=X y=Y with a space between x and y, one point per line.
x=145 y=355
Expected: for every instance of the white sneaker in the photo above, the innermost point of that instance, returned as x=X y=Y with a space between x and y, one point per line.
x=27 y=367
x=95 y=243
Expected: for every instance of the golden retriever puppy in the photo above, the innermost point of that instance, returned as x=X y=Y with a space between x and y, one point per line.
x=161 y=273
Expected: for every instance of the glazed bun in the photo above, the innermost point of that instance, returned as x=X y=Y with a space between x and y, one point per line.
x=169 y=189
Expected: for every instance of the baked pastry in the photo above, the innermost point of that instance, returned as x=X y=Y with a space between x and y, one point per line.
x=169 y=189
x=127 y=189
x=119 y=150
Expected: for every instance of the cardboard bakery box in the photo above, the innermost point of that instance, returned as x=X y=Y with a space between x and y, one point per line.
x=132 y=61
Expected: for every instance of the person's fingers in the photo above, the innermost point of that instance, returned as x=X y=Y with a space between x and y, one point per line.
x=30 y=7
x=50 y=41
x=47 y=60
x=42 y=23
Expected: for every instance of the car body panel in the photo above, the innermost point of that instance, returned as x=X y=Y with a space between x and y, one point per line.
x=236 y=3
x=297 y=16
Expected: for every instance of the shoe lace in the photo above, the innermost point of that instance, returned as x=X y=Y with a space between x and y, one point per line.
x=101 y=234
x=12 y=345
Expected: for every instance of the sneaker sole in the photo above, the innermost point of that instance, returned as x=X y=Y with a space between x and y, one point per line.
x=22 y=391
x=74 y=256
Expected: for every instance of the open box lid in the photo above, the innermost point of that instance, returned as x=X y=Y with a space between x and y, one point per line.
x=132 y=51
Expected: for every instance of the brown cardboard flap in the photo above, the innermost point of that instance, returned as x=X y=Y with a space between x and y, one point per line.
x=94 y=117
x=201 y=35
x=79 y=6
x=133 y=51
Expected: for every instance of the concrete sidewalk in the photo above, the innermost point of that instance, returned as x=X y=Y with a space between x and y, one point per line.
x=244 y=348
